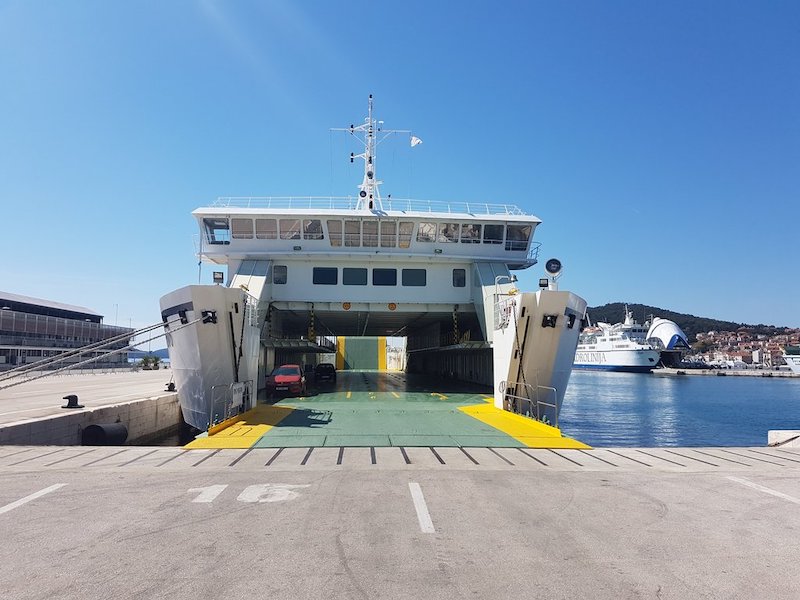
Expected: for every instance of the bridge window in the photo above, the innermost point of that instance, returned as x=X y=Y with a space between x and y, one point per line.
x=352 y=233
x=493 y=234
x=414 y=277
x=369 y=233
x=388 y=234
x=406 y=230
x=279 y=274
x=459 y=278
x=448 y=232
x=471 y=233
x=335 y=232
x=242 y=229
x=290 y=229
x=312 y=229
x=518 y=236
x=326 y=275
x=384 y=276
x=426 y=232
x=217 y=231
x=266 y=229
x=352 y=276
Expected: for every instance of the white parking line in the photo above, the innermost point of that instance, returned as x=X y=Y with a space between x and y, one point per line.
x=424 y=517
x=34 y=496
x=766 y=490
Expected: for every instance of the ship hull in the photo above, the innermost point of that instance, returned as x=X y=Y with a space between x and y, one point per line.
x=212 y=339
x=632 y=361
x=793 y=362
x=533 y=350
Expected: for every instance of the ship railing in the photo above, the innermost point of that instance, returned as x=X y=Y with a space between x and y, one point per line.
x=540 y=402
x=352 y=202
x=229 y=400
x=533 y=252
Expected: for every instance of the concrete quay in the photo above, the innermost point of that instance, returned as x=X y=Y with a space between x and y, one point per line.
x=434 y=523
x=671 y=371
x=32 y=413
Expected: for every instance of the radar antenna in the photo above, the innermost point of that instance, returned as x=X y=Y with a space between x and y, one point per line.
x=370 y=134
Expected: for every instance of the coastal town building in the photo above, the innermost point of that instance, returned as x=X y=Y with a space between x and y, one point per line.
x=744 y=348
x=32 y=329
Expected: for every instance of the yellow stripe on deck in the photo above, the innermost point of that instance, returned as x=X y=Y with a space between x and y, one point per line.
x=244 y=431
x=527 y=431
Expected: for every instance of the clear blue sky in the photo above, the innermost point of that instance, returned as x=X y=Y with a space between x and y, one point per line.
x=659 y=142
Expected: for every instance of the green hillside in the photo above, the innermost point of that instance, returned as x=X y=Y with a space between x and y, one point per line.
x=690 y=324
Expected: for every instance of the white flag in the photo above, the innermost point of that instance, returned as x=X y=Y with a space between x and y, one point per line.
x=415 y=140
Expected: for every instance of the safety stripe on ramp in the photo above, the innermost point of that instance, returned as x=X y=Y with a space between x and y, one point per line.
x=245 y=432
x=532 y=434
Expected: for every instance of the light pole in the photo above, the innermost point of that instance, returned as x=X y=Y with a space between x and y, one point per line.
x=511 y=279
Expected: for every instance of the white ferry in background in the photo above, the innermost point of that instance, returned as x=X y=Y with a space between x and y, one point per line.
x=619 y=347
x=791 y=356
x=438 y=274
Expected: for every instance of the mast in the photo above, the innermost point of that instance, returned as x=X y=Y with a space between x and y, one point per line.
x=370 y=134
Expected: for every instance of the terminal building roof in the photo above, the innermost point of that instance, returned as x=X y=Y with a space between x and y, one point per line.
x=27 y=304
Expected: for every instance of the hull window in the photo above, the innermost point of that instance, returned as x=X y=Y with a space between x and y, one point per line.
x=335 y=232
x=217 y=231
x=518 y=236
x=266 y=229
x=351 y=276
x=369 y=233
x=290 y=229
x=388 y=234
x=326 y=275
x=352 y=233
x=471 y=233
x=448 y=232
x=426 y=232
x=493 y=234
x=384 y=276
x=414 y=277
x=279 y=274
x=242 y=229
x=459 y=278
x=312 y=229
x=406 y=230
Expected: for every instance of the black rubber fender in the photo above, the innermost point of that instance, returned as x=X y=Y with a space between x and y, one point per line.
x=109 y=434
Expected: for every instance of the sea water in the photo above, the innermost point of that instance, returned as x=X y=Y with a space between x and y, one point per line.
x=638 y=409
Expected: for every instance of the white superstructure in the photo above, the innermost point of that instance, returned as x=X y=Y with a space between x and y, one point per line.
x=367 y=265
x=791 y=356
x=619 y=347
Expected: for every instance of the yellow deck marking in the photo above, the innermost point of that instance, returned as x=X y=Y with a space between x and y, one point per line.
x=349 y=394
x=245 y=431
x=382 y=353
x=531 y=433
x=489 y=398
x=395 y=394
x=441 y=396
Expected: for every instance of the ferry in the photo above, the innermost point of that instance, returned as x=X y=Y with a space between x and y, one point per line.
x=304 y=272
x=619 y=347
x=667 y=337
x=791 y=356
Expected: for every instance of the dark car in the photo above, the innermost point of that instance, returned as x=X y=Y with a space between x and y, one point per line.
x=288 y=380
x=325 y=372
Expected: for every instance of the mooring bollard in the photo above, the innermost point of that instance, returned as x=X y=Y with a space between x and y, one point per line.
x=72 y=402
x=170 y=387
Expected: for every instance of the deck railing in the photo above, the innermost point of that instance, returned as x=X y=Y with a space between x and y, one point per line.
x=351 y=202
x=531 y=405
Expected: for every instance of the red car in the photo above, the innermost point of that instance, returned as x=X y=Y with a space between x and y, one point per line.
x=287 y=379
